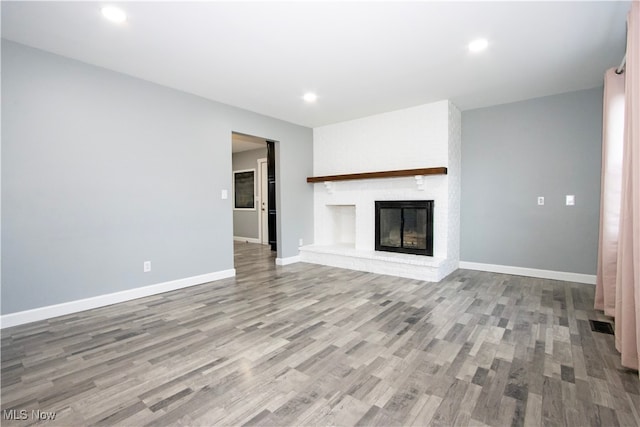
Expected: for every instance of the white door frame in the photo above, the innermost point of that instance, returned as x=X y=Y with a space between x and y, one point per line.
x=262 y=198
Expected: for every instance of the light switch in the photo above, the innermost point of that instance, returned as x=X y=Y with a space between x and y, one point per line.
x=540 y=200
x=571 y=200
x=224 y=194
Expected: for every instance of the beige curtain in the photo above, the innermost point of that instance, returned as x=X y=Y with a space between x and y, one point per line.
x=618 y=279
x=627 y=317
x=611 y=187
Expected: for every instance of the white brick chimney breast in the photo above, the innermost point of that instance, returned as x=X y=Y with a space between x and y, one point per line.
x=344 y=228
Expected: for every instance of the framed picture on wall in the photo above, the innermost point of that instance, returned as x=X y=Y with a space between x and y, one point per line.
x=244 y=189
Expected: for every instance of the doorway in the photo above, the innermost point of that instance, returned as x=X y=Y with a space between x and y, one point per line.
x=254 y=205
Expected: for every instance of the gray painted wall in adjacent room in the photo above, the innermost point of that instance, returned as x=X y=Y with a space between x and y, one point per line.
x=513 y=153
x=245 y=223
x=102 y=171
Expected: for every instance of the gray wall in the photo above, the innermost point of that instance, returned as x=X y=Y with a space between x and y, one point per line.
x=245 y=223
x=513 y=153
x=102 y=171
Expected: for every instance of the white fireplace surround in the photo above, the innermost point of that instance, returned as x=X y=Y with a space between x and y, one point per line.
x=419 y=137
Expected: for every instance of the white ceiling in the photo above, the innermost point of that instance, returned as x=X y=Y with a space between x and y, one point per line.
x=361 y=58
x=241 y=142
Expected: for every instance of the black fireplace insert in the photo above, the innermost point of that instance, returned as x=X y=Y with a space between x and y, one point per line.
x=405 y=226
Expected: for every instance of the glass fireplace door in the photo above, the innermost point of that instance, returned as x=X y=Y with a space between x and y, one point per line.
x=405 y=226
x=391 y=227
x=414 y=228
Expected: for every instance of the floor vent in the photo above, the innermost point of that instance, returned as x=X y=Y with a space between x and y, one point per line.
x=602 y=327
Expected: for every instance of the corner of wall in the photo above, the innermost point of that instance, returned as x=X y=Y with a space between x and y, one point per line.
x=453 y=174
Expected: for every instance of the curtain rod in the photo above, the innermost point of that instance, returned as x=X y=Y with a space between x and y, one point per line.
x=620 y=69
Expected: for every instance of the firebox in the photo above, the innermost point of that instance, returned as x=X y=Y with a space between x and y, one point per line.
x=405 y=226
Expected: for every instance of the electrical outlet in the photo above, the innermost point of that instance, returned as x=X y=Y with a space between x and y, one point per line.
x=300 y=242
x=571 y=200
x=224 y=194
x=540 y=200
x=147 y=266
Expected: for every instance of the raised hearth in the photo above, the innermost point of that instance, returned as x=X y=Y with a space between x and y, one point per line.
x=395 y=264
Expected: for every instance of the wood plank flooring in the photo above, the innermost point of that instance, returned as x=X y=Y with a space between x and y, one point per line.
x=313 y=345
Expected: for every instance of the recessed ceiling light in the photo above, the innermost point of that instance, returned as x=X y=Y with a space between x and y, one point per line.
x=114 y=14
x=478 y=45
x=310 y=97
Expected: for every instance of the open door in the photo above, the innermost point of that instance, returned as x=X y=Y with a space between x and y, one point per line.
x=271 y=188
x=264 y=200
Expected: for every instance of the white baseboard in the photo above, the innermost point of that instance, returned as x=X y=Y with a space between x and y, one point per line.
x=287 y=261
x=42 y=313
x=246 y=239
x=531 y=272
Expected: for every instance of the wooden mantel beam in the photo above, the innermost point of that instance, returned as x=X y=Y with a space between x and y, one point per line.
x=382 y=174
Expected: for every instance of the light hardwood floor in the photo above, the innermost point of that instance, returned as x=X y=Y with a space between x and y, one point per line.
x=314 y=345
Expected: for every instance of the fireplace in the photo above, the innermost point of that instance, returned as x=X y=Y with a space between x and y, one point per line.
x=405 y=226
